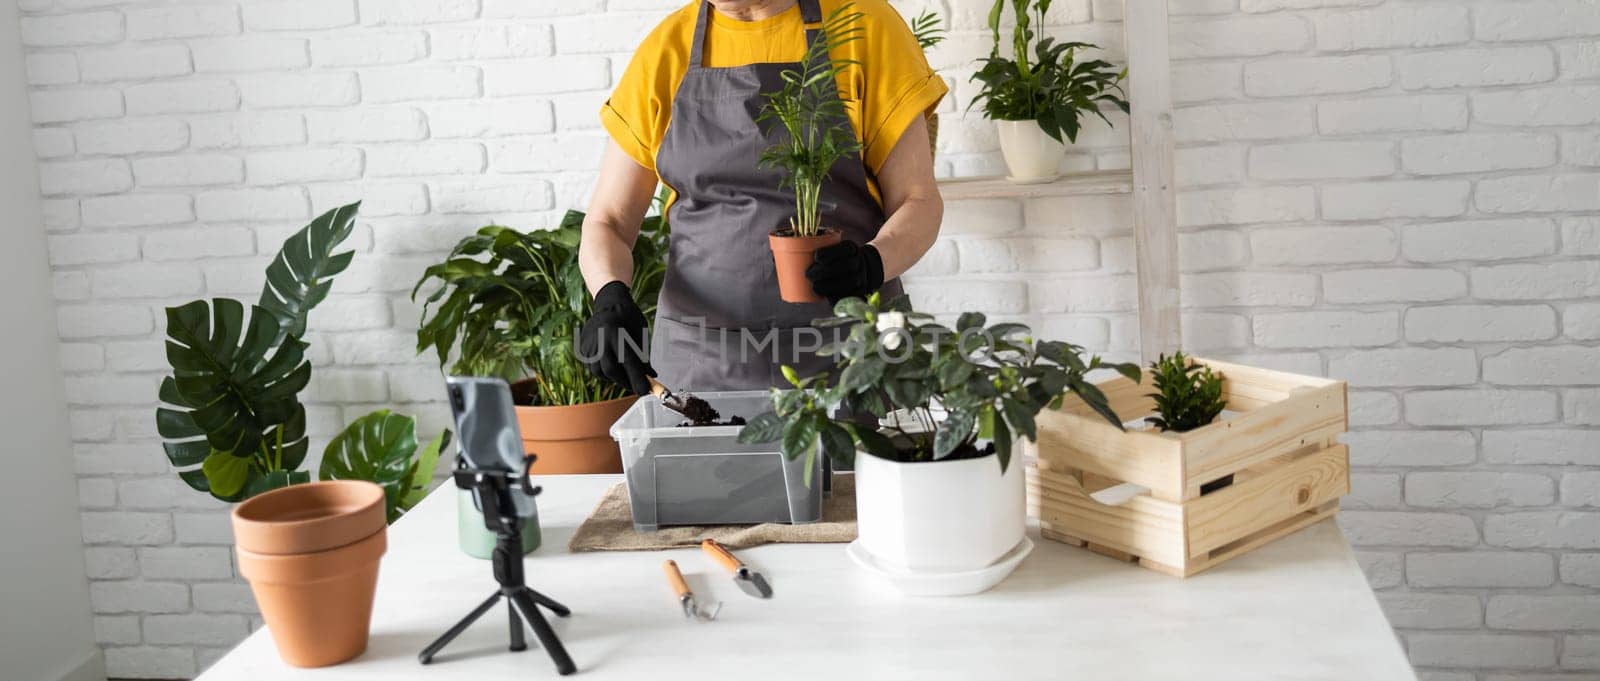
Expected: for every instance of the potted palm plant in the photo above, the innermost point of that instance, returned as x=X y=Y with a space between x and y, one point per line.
x=508 y=304
x=1038 y=96
x=929 y=415
x=815 y=134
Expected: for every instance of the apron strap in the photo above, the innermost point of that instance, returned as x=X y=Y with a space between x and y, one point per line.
x=810 y=13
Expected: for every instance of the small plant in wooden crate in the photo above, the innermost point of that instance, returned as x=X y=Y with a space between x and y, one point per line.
x=1148 y=496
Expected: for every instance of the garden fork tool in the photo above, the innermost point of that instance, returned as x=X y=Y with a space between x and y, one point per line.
x=749 y=580
x=691 y=608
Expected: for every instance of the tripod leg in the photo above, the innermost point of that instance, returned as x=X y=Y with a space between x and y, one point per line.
x=517 y=643
x=548 y=602
x=427 y=653
x=541 y=629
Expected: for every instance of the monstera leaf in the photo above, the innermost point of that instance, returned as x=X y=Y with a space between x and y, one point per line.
x=299 y=277
x=381 y=447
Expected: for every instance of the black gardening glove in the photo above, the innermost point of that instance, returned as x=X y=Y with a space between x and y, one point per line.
x=611 y=343
x=846 y=270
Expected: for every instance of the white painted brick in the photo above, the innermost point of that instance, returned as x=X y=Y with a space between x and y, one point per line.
x=182 y=21
x=97 y=492
x=1244 y=121
x=137 y=210
x=940 y=260
x=1544 y=281
x=1401 y=199
x=1302 y=76
x=1212 y=250
x=92 y=321
x=1210 y=332
x=1543 y=613
x=1405 y=367
x=185 y=563
x=65 y=30
x=1580 y=652
x=103 y=176
x=1472 y=153
x=367 y=49
x=1083 y=294
x=1199 y=166
x=303 y=165
x=255 y=53
x=130 y=356
x=1480 y=323
x=1575 y=105
x=366 y=125
x=252 y=204
x=1430 y=489
x=1027 y=255
x=1581 y=148
x=1481 y=650
x=1479 y=407
x=63 y=106
x=405 y=12
x=1549 y=365
x=1476 y=67
x=247 y=130
x=163 y=662
x=186 y=96
x=126 y=528
x=1480 y=569
x=311 y=89
x=132 y=136
x=1093 y=214
x=1478 y=240
x=1539 y=193
x=1582 y=569
x=1393 y=285
x=1581 y=236
x=1246 y=205
x=491 y=42
x=53 y=143
x=203 y=528
x=199 y=243
x=1239 y=37
x=1554 y=447
x=1206 y=81
x=946 y=297
x=545 y=76
x=85 y=249
x=1369 y=408
x=1392 y=114
x=1248 y=289
x=1582 y=407
x=457 y=198
x=519 y=9
x=1580 y=489
x=350 y=385
x=383 y=348
x=1579 y=59
x=1308 y=363
x=1396 y=528
x=1383 y=570
x=378 y=200
x=1324 y=245
x=1431 y=611
x=420 y=83
x=1533 y=20
x=1324 y=329
x=1372 y=491
x=1089 y=332
x=491 y=119
x=52 y=68
x=189 y=170
x=294 y=15
x=220 y=597
x=133 y=63
x=112 y=458
x=117 y=630
x=1322 y=160
x=1582 y=321
x=547 y=154
x=1392 y=26
x=59 y=215
x=193 y=629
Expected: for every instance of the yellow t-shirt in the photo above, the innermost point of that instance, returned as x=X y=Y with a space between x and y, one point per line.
x=888 y=90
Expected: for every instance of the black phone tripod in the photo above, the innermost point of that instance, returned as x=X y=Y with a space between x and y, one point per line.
x=493 y=489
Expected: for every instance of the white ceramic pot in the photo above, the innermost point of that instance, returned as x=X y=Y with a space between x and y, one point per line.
x=1031 y=155
x=939 y=516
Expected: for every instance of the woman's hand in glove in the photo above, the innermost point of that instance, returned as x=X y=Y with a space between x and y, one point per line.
x=611 y=343
x=846 y=270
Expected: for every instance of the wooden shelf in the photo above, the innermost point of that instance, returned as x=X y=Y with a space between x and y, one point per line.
x=1096 y=182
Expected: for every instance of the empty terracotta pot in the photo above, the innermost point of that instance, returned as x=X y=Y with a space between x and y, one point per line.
x=311 y=554
x=574 y=439
x=792 y=255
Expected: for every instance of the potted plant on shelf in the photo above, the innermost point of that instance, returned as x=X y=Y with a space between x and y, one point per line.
x=816 y=135
x=1038 y=96
x=508 y=304
x=929 y=30
x=936 y=411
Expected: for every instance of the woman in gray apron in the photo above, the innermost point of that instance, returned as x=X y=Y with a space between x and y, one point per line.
x=720 y=324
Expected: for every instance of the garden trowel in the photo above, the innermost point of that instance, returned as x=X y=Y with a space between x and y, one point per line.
x=749 y=580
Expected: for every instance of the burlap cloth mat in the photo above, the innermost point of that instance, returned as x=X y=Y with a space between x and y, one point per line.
x=610 y=526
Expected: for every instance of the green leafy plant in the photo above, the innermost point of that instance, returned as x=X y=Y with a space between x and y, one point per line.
x=988 y=382
x=809 y=111
x=508 y=304
x=381 y=447
x=928 y=28
x=1189 y=395
x=1043 y=81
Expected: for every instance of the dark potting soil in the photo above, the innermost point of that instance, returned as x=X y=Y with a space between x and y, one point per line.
x=699 y=411
x=524 y=393
x=732 y=421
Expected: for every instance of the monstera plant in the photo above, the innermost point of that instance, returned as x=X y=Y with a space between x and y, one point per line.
x=230 y=411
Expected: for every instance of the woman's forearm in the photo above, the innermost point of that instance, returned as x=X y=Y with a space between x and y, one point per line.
x=908 y=234
x=603 y=255
x=621 y=198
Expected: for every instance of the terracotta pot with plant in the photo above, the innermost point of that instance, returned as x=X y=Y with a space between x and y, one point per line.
x=936 y=414
x=508 y=304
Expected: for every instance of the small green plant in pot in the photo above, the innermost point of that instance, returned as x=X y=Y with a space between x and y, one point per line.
x=815 y=133
x=930 y=417
x=1039 y=95
x=1188 y=395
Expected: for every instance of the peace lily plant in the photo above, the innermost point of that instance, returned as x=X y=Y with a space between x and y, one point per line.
x=930 y=416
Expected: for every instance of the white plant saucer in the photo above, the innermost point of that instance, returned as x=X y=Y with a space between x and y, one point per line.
x=1032 y=180
x=942 y=583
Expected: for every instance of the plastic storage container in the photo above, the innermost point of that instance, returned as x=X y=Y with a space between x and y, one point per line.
x=678 y=475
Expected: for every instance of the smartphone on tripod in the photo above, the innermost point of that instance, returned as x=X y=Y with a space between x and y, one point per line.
x=487 y=432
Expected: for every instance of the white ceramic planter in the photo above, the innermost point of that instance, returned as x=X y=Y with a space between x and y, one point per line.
x=939 y=516
x=1031 y=155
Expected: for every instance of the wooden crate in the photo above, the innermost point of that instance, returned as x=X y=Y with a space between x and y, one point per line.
x=1279 y=443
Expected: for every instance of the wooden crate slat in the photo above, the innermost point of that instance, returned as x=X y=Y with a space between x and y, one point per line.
x=1144 y=526
x=1261 y=538
x=1091 y=444
x=1267 y=378
x=1312 y=418
x=1227 y=515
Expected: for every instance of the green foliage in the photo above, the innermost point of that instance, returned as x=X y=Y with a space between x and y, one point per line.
x=1188 y=396
x=815 y=121
x=929 y=29
x=1043 y=81
x=381 y=447
x=903 y=369
x=509 y=304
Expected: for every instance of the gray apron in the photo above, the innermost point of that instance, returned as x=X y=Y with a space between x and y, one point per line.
x=720 y=324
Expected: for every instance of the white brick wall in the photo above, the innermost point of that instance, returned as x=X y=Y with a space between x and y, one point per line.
x=1401 y=193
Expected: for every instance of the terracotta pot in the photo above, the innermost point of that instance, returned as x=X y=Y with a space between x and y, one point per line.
x=307 y=518
x=575 y=439
x=792 y=255
x=318 y=606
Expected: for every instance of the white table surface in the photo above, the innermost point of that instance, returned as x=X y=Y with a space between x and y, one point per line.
x=1296 y=609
